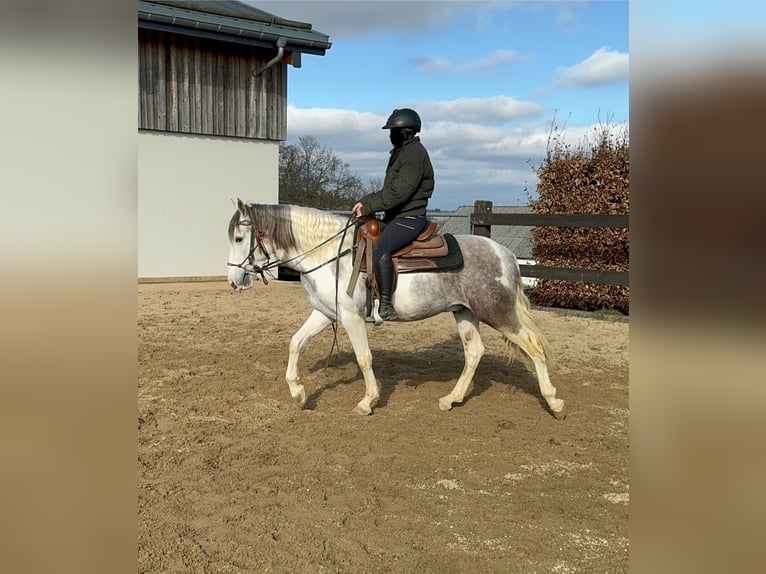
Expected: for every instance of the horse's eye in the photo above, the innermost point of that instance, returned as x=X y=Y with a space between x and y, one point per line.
x=238 y=239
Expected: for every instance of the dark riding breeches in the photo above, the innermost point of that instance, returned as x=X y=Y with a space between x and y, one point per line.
x=398 y=233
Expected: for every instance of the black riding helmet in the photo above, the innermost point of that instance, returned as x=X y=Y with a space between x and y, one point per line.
x=403 y=118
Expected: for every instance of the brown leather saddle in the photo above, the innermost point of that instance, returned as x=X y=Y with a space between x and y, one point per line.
x=430 y=251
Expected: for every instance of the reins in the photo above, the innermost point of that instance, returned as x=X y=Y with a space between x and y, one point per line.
x=337 y=282
x=249 y=266
x=256 y=236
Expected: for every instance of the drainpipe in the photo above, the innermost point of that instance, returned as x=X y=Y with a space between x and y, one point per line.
x=281 y=43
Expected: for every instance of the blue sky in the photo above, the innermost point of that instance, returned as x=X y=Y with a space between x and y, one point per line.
x=487 y=78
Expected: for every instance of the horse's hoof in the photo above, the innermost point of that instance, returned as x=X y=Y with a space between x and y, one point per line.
x=362 y=410
x=561 y=414
x=300 y=398
x=445 y=405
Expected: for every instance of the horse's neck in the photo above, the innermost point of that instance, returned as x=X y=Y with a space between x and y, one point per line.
x=320 y=239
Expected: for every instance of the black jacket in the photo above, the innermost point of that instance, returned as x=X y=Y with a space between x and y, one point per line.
x=408 y=185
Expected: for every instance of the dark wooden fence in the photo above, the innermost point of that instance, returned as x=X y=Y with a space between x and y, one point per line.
x=482 y=220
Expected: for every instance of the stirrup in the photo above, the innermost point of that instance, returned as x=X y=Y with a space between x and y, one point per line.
x=374 y=316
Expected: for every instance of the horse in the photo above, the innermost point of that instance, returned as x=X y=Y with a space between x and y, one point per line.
x=318 y=245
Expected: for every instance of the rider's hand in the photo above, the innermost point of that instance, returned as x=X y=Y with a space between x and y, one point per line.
x=357 y=210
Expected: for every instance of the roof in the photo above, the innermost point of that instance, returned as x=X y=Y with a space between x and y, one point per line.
x=517 y=238
x=231 y=21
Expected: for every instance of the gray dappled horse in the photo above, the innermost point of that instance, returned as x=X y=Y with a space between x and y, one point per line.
x=316 y=244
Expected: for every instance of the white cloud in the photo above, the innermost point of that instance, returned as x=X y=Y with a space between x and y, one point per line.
x=332 y=119
x=490 y=62
x=497 y=58
x=476 y=154
x=432 y=65
x=329 y=125
x=495 y=109
x=602 y=67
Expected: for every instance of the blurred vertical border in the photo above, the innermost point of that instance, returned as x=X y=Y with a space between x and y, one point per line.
x=68 y=286
x=698 y=198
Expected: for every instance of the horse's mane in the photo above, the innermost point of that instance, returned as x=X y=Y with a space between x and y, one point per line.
x=295 y=228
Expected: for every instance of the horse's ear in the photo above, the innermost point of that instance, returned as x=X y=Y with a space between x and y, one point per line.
x=240 y=206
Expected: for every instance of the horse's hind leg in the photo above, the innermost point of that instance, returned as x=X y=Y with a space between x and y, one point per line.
x=316 y=323
x=557 y=406
x=531 y=341
x=468 y=329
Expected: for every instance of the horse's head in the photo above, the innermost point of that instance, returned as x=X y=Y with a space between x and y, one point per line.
x=247 y=252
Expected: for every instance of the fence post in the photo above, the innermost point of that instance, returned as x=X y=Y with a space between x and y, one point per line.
x=485 y=208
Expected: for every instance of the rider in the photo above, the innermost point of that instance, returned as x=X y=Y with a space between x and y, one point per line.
x=408 y=185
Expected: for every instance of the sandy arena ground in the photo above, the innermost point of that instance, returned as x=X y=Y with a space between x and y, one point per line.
x=235 y=478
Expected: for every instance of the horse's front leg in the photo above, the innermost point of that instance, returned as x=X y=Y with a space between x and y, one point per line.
x=357 y=333
x=314 y=325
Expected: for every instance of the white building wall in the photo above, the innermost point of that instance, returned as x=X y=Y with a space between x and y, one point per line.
x=186 y=185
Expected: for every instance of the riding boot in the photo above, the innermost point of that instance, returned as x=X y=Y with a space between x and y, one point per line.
x=384 y=269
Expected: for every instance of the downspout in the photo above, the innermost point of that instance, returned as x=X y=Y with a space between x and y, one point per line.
x=281 y=43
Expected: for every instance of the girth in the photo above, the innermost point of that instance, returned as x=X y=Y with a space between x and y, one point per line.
x=430 y=251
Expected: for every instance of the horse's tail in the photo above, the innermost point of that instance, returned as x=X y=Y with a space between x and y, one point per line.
x=529 y=336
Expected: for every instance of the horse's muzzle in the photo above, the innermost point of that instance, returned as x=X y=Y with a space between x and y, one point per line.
x=239 y=279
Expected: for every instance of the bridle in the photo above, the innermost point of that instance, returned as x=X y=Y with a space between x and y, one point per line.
x=256 y=242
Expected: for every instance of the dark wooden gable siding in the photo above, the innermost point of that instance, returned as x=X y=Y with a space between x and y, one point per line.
x=200 y=86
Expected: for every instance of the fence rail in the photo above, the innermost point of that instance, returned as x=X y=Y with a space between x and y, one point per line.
x=482 y=219
x=549 y=220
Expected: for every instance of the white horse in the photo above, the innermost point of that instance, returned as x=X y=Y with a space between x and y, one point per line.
x=317 y=244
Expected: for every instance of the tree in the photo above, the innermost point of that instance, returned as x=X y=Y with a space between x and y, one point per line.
x=373 y=185
x=310 y=174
